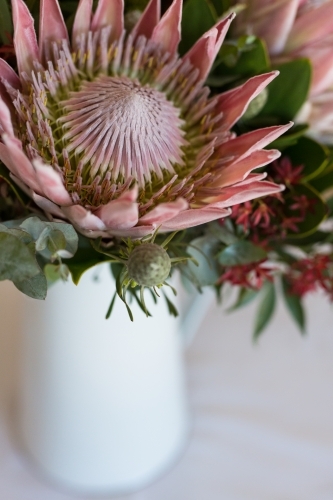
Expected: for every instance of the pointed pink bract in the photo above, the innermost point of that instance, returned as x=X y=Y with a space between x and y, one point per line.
x=82 y=19
x=167 y=33
x=204 y=51
x=52 y=26
x=25 y=41
x=109 y=13
x=149 y=19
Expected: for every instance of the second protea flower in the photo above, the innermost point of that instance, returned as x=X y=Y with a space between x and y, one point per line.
x=117 y=134
x=294 y=29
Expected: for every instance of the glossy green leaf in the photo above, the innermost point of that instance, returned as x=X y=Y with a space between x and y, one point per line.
x=265 y=310
x=241 y=253
x=6 y=26
x=314 y=216
x=294 y=305
x=309 y=153
x=246 y=57
x=198 y=17
x=289 y=90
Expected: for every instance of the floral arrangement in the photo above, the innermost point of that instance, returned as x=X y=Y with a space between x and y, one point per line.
x=137 y=135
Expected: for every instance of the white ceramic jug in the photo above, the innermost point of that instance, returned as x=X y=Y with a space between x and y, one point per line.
x=103 y=406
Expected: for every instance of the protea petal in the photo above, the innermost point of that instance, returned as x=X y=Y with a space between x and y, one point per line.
x=313 y=25
x=48 y=206
x=7 y=73
x=163 y=212
x=52 y=26
x=281 y=15
x=194 y=217
x=205 y=50
x=235 y=102
x=167 y=32
x=83 y=218
x=234 y=195
x=5 y=119
x=51 y=184
x=322 y=68
x=119 y=214
x=109 y=13
x=14 y=159
x=252 y=141
x=239 y=171
x=82 y=19
x=149 y=19
x=25 y=41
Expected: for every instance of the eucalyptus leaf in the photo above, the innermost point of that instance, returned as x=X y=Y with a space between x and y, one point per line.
x=294 y=305
x=265 y=309
x=17 y=262
x=35 y=287
x=245 y=296
x=203 y=250
x=241 y=253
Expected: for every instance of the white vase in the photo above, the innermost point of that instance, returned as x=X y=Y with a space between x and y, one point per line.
x=103 y=406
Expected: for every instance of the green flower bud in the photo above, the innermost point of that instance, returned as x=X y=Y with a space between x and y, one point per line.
x=148 y=265
x=256 y=105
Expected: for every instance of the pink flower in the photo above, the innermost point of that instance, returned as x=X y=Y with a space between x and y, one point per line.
x=118 y=135
x=294 y=29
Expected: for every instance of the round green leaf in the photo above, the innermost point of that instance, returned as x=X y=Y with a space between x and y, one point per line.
x=17 y=262
x=241 y=253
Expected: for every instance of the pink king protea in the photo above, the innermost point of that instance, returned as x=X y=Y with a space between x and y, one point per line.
x=117 y=134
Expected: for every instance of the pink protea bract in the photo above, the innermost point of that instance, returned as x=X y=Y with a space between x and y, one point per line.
x=116 y=133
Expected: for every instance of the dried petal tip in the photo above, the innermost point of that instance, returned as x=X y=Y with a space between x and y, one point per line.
x=149 y=265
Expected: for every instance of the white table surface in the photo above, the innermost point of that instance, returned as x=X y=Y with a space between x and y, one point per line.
x=263 y=414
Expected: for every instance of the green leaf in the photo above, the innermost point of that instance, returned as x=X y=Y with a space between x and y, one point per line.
x=171 y=308
x=247 y=57
x=203 y=250
x=324 y=182
x=289 y=90
x=109 y=311
x=313 y=217
x=245 y=296
x=17 y=262
x=35 y=287
x=52 y=237
x=294 y=305
x=266 y=308
x=198 y=17
x=241 y=253
x=6 y=27
x=4 y=174
x=309 y=153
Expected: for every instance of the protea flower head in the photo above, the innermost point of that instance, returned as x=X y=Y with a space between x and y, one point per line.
x=293 y=29
x=117 y=134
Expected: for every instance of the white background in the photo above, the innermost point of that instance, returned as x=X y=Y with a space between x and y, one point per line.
x=262 y=414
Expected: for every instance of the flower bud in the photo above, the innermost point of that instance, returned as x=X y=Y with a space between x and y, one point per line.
x=149 y=264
